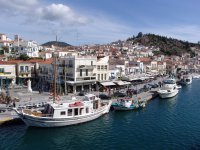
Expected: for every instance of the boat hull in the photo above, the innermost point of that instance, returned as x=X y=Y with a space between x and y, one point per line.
x=59 y=122
x=120 y=107
x=168 y=94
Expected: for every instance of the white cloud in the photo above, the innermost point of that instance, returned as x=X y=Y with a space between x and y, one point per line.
x=42 y=19
x=13 y=6
x=60 y=13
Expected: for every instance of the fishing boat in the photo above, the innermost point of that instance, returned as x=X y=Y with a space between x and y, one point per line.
x=73 y=111
x=64 y=114
x=125 y=104
x=169 y=89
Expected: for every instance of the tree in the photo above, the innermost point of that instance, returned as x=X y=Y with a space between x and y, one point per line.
x=139 y=35
x=24 y=57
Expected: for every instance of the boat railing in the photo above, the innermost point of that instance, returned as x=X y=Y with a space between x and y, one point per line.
x=36 y=113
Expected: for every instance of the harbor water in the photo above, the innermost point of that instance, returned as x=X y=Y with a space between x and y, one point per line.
x=164 y=124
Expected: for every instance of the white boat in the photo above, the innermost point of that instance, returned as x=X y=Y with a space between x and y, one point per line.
x=186 y=80
x=196 y=76
x=178 y=86
x=169 y=89
x=64 y=114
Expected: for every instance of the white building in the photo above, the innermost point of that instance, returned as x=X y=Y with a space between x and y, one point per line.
x=76 y=73
x=5 y=42
x=7 y=74
x=30 y=48
x=102 y=69
x=80 y=72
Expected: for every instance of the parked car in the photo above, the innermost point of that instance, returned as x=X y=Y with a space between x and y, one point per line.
x=153 y=85
x=104 y=96
x=119 y=94
x=147 y=87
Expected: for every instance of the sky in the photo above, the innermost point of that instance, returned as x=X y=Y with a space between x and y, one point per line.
x=79 y=22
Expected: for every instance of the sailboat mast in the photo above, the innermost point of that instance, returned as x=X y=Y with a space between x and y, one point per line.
x=54 y=80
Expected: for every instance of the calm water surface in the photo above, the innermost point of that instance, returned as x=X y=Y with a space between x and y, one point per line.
x=164 y=124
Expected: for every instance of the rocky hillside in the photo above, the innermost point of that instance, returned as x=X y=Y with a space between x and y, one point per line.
x=168 y=46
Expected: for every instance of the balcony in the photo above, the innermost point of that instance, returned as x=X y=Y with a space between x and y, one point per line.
x=86 y=67
x=83 y=79
x=89 y=75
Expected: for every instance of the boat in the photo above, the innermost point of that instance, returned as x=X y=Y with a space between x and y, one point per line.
x=58 y=113
x=169 y=89
x=196 y=76
x=125 y=104
x=178 y=86
x=186 y=80
x=64 y=114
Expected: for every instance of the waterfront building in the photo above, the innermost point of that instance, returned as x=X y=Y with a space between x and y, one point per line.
x=146 y=64
x=134 y=67
x=102 y=69
x=23 y=72
x=79 y=72
x=7 y=74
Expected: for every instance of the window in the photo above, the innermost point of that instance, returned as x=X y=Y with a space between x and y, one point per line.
x=104 y=76
x=76 y=111
x=21 y=68
x=62 y=113
x=98 y=67
x=81 y=72
x=86 y=72
x=26 y=68
x=98 y=76
x=69 y=112
x=91 y=63
x=80 y=111
x=87 y=110
x=105 y=67
x=101 y=76
x=1 y=70
x=70 y=63
x=101 y=67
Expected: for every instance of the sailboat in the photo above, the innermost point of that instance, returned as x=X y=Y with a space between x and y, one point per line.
x=57 y=114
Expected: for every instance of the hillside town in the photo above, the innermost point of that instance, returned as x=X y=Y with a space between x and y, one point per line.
x=87 y=67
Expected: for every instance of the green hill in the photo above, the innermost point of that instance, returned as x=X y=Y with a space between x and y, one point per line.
x=168 y=46
x=56 y=43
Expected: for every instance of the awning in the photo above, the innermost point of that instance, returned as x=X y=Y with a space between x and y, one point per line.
x=107 y=83
x=122 y=83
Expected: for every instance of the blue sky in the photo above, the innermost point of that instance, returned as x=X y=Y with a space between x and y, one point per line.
x=99 y=21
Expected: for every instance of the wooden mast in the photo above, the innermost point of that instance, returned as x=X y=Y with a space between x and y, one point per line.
x=54 y=79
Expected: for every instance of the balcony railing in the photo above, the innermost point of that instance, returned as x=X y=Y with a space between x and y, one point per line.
x=89 y=75
x=86 y=67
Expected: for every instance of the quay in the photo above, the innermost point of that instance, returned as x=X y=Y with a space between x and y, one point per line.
x=10 y=116
x=30 y=99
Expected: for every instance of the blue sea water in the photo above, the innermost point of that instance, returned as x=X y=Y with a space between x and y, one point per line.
x=164 y=124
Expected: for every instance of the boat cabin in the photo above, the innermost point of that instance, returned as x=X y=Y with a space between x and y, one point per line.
x=77 y=108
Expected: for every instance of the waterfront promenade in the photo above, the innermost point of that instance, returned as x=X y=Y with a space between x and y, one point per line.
x=30 y=99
